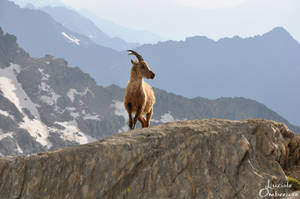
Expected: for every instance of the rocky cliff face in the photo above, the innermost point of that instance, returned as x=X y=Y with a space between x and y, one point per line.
x=188 y=159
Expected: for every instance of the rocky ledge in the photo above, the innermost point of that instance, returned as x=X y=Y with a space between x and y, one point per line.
x=189 y=159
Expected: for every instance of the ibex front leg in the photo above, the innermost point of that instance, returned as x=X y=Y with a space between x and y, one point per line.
x=137 y=115
x=130 y=122
x=149 y=115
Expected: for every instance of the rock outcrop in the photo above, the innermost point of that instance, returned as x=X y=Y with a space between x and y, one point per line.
x=188 y=159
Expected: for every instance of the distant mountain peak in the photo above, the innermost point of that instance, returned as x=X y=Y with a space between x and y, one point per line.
x=279 y=29
x=198 y=39
x=279 y=32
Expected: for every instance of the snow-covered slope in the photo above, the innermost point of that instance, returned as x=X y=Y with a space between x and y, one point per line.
x=71 y=39
x=12 y=90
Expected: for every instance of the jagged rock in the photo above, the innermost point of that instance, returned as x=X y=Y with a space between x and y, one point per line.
x=293 y=163
x=7 y=145
x=26 y=142
x=190 y=159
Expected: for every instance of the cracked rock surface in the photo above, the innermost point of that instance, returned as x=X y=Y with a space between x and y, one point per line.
x=208 y=158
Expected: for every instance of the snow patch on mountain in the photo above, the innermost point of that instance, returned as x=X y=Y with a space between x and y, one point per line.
x=74 y=114
x=19 y=148
x=71 y=108
x=71 y=38
x=83 y=114
x=73 y=133
x=8 y=89
x=73 y=92
x=51 y=96
x=91 y=117
x=13 y=90
x=37 y=130
x=6 y=114
x=5 y=135
x=2 y=136
x=167 y=117
x=120 y=110
x=45 y=77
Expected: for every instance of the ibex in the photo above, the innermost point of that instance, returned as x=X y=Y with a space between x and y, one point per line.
x=139 y=96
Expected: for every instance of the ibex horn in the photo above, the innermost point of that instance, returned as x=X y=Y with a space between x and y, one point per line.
x=139 y=57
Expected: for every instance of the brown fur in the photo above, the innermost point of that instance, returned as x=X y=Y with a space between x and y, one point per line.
x=139 y=96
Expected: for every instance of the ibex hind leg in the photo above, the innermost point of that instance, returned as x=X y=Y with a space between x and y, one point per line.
x=142 y=121
x=149 y=115
x=137 y=115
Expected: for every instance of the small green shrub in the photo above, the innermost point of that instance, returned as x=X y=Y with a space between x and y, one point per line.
x=294 y=182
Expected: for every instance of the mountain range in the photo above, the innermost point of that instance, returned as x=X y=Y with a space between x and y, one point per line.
x=110 y=28
x=46 y=105
x=126 y=33
x=264 y=67
x=84 y=26
x=38 y=26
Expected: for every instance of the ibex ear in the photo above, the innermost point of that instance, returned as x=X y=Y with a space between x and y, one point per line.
x=133 y=62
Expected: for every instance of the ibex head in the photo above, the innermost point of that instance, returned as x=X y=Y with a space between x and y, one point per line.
x=141 y=67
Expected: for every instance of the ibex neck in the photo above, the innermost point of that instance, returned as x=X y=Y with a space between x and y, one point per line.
x=136 y=80
x=134 y=77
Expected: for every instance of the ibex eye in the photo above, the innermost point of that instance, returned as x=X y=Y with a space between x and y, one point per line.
x=143 y=67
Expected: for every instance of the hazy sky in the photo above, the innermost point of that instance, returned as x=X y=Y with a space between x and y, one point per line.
x=177 y=19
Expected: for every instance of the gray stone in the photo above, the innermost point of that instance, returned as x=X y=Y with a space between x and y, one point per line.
x=8 y=146
x=190 y=159
x=27 y=143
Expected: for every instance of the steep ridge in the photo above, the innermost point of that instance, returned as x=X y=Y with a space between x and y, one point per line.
x=78 y=23
x=190 y=159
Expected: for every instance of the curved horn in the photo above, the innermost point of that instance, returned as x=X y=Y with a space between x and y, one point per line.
x=139 y=57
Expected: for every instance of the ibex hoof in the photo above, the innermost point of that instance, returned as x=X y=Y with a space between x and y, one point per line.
x=130 y=124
